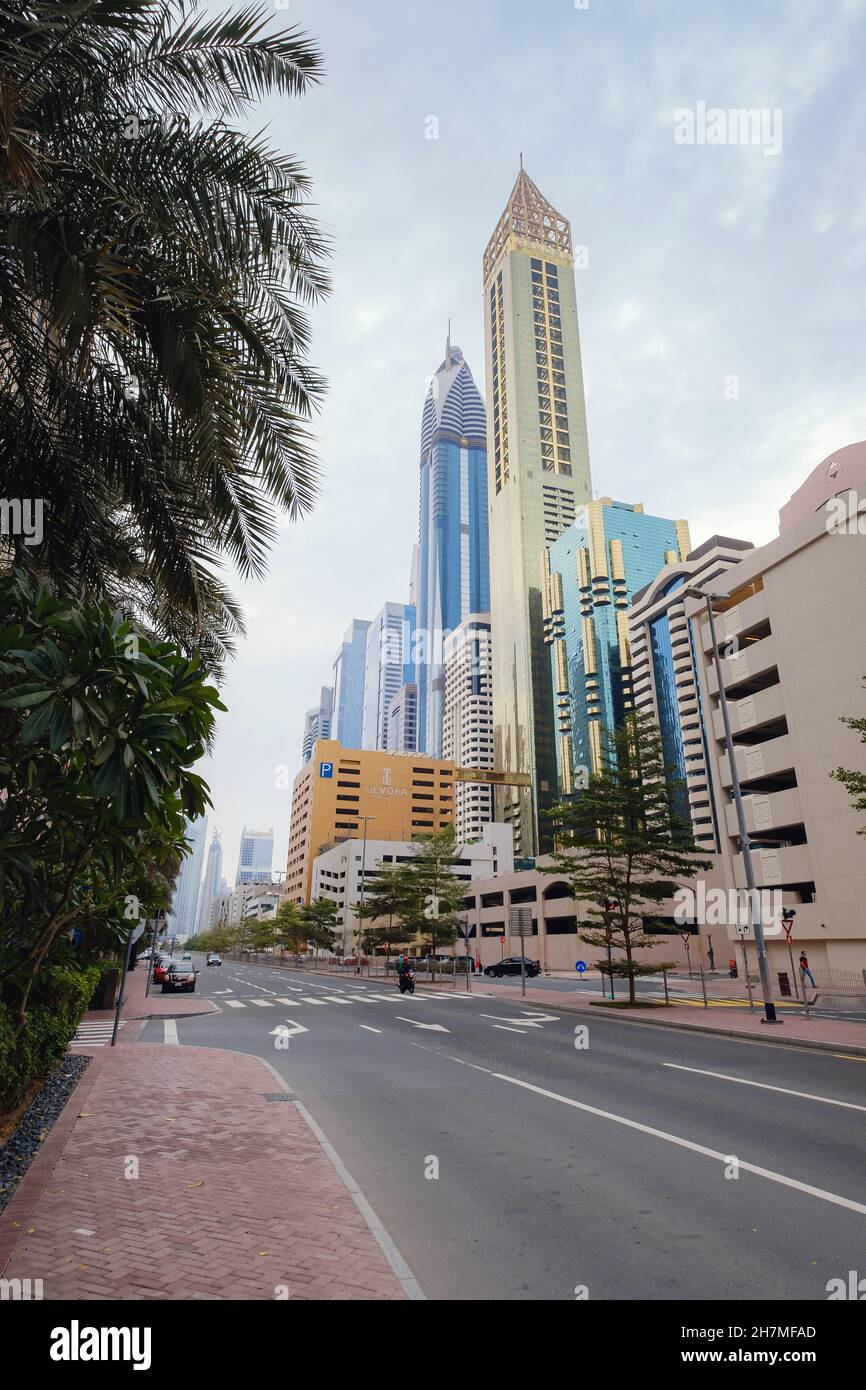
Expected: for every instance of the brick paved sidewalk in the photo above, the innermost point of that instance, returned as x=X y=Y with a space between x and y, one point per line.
x=235 y=1197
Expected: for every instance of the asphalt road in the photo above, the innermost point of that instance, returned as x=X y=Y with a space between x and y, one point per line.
x=508 y=1162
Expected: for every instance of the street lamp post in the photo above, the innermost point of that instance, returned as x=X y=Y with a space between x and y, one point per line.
x=744 y=839
x=363 y=889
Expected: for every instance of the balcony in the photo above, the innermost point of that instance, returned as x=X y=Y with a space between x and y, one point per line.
x=765 y=762
x=755 y=662
x=764 y=812
x=775 y=867
x=749 y=715
x=735 y=622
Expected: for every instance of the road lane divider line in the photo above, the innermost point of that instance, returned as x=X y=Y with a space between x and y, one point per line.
x=170 y=1031
x=764 y=1086
x=368 y=1029
x=503 y=1028
x=689 y=1144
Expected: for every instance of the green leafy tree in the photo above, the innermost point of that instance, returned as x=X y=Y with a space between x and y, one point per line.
x=434 y=894
x=622 y=844
x=390 y=897
x=853 y=780
x=319 y=919
x=157 y=268
x=289 y=927
x=99 y=730
x=263 y=934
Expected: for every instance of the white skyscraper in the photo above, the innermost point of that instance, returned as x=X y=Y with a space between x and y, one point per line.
x=467 y=728
x=183 y=916
x=318 y=721
x=390 y=642
x=211 y=883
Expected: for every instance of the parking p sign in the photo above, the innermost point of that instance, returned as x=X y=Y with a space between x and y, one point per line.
x=326 y=769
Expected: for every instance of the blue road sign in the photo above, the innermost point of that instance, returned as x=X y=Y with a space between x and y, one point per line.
x=580 y=966
x=326 y=769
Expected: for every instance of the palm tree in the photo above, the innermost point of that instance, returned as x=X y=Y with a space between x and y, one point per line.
x=154 y=384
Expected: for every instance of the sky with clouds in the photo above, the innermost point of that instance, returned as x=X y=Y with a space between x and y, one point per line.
x=704 y=263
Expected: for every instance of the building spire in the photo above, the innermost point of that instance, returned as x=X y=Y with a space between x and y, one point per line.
x=528 y=219
x=448 y=349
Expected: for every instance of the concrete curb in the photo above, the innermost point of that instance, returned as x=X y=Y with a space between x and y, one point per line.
x=401 y=1270
x=772 y=1039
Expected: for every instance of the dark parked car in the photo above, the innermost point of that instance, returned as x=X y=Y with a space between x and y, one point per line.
x=178 y=976
x=511 y=966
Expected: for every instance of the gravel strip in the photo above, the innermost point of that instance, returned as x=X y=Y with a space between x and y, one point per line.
x=20 y=1149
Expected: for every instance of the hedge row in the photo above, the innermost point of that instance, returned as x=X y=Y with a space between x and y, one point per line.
x=61 y=997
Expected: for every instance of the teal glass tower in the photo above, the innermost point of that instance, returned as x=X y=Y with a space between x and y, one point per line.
x=593 y=570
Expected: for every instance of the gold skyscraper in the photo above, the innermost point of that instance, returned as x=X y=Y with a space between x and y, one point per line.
x=538 y=476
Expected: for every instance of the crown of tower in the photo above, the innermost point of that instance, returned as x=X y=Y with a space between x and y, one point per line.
x=528 y=217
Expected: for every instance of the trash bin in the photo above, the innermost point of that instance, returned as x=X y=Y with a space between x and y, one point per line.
x=784 y=984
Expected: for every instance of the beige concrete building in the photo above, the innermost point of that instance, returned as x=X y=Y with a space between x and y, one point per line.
x=792 y=636
x=553 y=937
x=398 y=795
x=340 y=871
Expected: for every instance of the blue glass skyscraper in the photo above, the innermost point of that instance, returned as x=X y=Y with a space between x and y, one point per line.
x=453 y=560
x=610 y=552
x=347 y=726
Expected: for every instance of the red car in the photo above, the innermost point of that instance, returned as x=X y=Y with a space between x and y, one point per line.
x=160 y=966
x=178 y=975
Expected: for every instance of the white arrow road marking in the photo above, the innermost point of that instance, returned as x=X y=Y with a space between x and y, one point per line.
x=285 y=1032
x=367 y=1027
x=433 y=1027
x=534 y=1022
x=223 y=991
x=503 y=1028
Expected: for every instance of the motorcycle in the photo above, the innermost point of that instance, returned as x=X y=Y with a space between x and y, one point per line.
x=407 y=982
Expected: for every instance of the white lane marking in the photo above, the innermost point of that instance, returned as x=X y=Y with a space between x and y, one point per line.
x=284 y=999
x=223 y=991
x=235 y=1004
x=334 y=999
x=503 y=1028
x=768 y=1173
x=282 y=1031
x=262 y=1003
x=170 y=1027
x=309 y=1000
x=431 y=1027
x=368 y=1029
x=463 y=1062
x=411 y=1287
x=783 y=1090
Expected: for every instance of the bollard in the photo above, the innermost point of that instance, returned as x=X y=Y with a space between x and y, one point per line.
x=665 y=978
x=704 y=988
